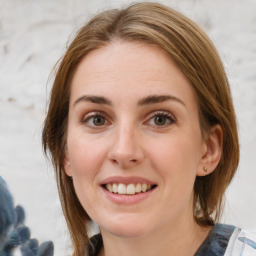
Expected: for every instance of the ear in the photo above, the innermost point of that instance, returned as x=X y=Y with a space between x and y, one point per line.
x=67 y=165
x=212 y=150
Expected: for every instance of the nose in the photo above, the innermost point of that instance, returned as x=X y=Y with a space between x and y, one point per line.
x=126 y=150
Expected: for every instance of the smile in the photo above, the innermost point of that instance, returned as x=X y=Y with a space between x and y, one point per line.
x=129 y=189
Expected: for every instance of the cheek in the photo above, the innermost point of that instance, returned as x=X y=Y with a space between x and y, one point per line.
x=85 y=160
x=177 y=152
x=176 y=161
x=85 y=156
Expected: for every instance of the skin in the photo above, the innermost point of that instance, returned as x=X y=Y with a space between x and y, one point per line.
x=123 y=138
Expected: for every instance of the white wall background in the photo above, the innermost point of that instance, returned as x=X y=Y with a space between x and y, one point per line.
x=33 y=35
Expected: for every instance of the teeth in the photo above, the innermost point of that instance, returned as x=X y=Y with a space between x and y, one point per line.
x=138 y=188
x=114 y=188
x=109 y=188
x=130 y=189
x=121 y=189
x=144 y=187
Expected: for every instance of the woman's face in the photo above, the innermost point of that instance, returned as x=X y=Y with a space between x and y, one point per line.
x=134 y=144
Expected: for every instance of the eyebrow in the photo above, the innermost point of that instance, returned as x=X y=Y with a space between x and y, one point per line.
x=93 y=99
x=152 y=99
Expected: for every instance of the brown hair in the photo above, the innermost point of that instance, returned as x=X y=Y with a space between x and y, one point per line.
x=197 y=58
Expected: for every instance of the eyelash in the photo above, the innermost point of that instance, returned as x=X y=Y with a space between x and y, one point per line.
x=92 y=115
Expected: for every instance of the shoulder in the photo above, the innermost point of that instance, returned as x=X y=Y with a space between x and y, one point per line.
x=217 y=241
x=242 y=243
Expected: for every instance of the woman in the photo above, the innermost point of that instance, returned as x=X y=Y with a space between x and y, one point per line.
x=142 y=133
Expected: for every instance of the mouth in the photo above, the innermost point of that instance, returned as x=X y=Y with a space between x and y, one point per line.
x=128 y=189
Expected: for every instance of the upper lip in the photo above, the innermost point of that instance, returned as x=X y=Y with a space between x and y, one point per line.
x=127 y=180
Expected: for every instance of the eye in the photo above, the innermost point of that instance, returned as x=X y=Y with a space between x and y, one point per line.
x=94 y=120
x=97 y=120
x=161 y=119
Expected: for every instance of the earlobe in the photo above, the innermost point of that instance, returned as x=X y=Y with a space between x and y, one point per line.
x=212 y=151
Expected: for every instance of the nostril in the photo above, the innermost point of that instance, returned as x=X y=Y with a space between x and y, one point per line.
x=122 y=162
x=114 y=161
x=124 y=158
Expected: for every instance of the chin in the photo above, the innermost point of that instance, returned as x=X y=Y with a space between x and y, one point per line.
x=125 y=229
x=124 y=233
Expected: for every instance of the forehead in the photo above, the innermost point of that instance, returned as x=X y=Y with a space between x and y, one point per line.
x=137 y=68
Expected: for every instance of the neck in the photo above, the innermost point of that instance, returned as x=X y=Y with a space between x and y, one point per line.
x=168 y=240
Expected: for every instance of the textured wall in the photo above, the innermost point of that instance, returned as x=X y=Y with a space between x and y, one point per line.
x=33 y=35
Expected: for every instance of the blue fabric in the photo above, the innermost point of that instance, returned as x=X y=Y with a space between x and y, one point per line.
x=248 y=241
x=214 y=245
x=217 y=241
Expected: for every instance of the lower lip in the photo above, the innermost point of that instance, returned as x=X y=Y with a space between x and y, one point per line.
x=127 y=199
